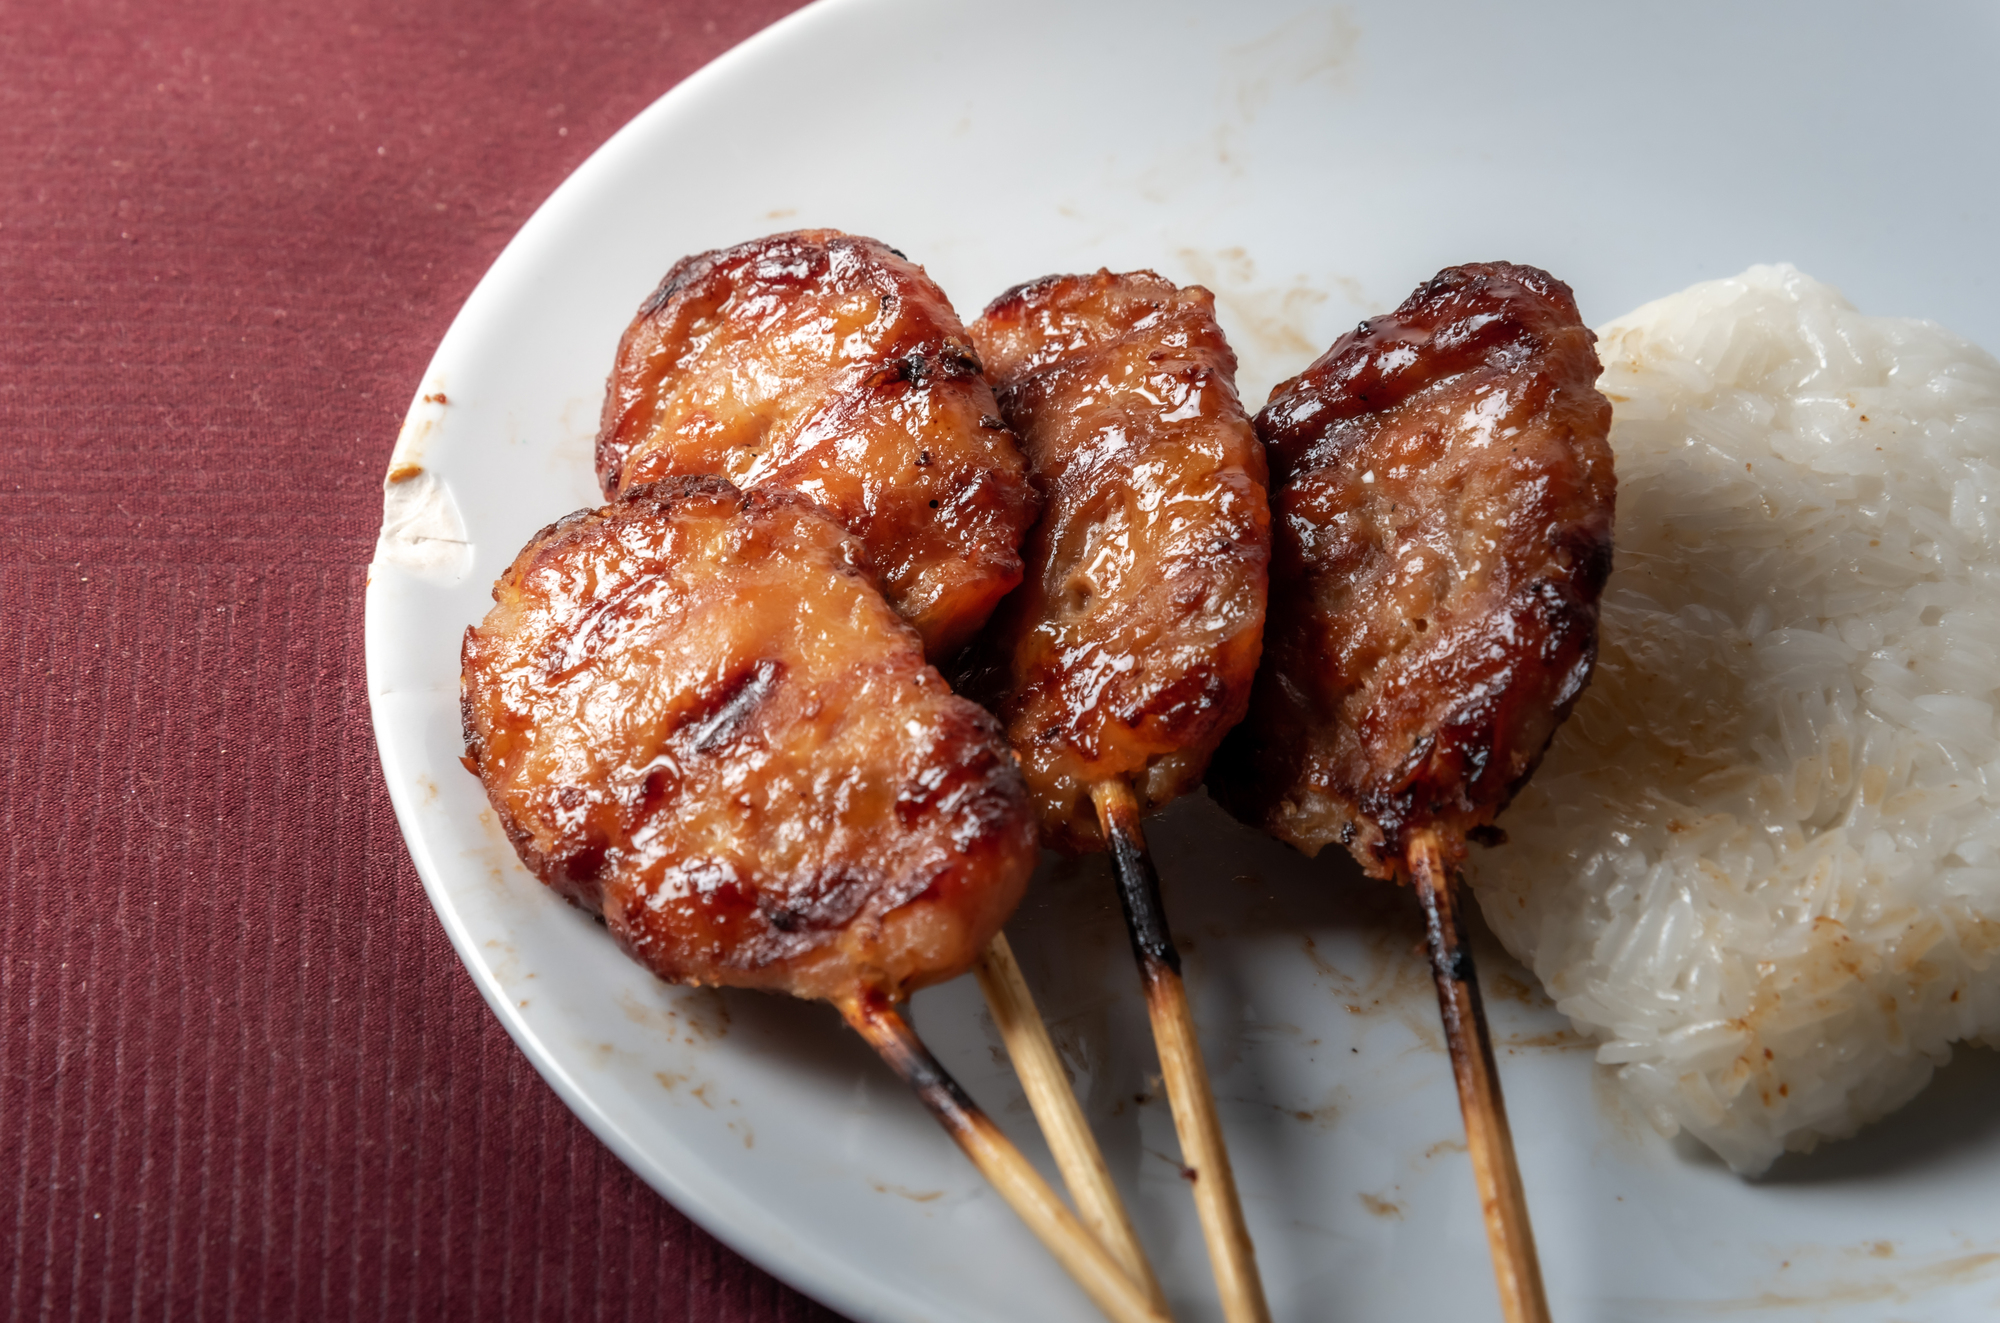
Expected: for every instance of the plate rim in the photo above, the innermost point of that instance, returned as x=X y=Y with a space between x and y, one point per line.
x=740 y=1224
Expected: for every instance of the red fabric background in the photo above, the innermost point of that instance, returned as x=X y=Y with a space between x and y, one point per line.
x=242 y=1074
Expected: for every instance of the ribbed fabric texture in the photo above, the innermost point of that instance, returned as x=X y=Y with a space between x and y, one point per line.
x=242 y=1075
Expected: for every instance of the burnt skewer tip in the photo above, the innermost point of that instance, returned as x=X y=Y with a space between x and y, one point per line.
x=1138 y=883
x=1231 y=1255
x=883 y=1027
x=1489 y=1141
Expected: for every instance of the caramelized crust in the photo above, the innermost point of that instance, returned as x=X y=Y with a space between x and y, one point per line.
x=1130 y=646
x=1443 y=533
x=833 y=366
x=694 y=715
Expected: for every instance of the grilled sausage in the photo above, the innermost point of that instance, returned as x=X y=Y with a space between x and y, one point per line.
x=1443 y=513
x=1131 y=644
x=695 y=716
x=833 y=366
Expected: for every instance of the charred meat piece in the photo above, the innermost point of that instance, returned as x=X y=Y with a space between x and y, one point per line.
x=695 y=715
x=833 y=366
x=1131 y=644
x=1443 y=526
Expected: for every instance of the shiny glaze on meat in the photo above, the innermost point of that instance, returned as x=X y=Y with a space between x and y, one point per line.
x=1130 y=646
x=1443 y=533
x=695 y=715
x=833 y=366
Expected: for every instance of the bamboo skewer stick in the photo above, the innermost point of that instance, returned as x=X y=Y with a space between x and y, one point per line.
x=1489 y=1142
x=1230 y=1253
x=1056 y=1109
x=1000 y=1162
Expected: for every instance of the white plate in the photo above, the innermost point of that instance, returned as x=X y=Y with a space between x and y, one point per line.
x=1311 y=165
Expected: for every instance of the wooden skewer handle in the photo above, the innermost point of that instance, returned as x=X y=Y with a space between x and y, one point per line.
x=1000 y=1162
x=1231 y=1255
x=1489 y=1141
x=1061 y=1116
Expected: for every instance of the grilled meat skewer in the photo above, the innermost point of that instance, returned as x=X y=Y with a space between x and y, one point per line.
x=696 y=717
x=1443 y=507
x=1132 y=643
x=830 y=365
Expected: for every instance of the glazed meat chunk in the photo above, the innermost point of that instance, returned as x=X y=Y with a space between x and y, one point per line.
x=1131 y=644
x=695 y=715
x=1442 y=507
x=831 y=365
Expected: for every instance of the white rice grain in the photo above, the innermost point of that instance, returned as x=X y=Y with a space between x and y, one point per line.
x=1761 y=863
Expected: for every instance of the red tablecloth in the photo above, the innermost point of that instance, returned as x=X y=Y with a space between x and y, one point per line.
x=242 y=1075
